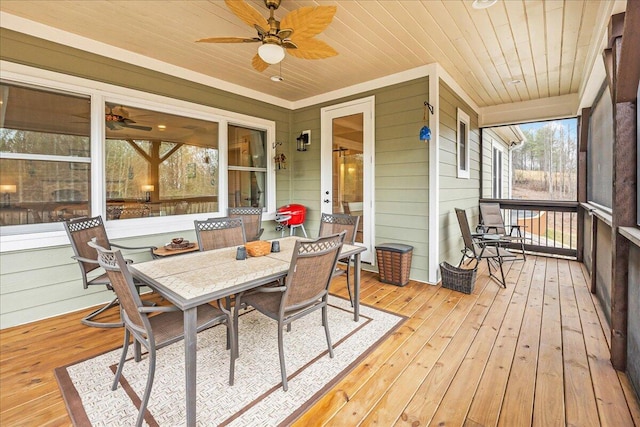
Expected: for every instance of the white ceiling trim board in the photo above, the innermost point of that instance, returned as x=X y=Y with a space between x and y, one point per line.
x=556 y=107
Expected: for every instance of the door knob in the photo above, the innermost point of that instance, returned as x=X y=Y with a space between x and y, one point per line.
x=326 y=192
x=326 y=200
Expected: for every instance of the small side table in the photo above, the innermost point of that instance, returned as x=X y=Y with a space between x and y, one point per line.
x=163 y=252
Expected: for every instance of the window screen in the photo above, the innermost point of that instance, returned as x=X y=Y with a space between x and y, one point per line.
x=600 y=151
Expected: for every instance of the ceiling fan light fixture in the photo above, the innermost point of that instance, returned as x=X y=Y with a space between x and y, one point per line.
x=277 y=78
x=483 y=4
x=271 y=53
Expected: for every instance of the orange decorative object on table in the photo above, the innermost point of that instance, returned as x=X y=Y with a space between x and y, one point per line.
x=258 y=248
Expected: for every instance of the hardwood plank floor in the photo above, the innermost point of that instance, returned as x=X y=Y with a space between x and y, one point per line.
x=535 y=353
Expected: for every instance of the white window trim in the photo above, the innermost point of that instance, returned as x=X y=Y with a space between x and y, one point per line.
x=463 y=117
x=497 y=146
x=22 y=237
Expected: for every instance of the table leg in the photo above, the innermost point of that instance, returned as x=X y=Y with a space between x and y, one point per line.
x=190 y=345
x=356 y=287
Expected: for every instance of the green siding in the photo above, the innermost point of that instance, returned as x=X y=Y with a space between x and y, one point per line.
x=487 y=158
x=456 y=192
x=401 y=168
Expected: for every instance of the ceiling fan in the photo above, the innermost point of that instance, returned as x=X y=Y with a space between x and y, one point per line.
x=294 y=33
x=120 y=121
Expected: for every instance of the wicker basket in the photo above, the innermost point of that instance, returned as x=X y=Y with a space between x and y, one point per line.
x=458 y=279
x=394 y=263
x=258 y=248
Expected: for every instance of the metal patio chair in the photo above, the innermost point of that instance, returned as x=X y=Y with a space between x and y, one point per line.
x=480 y=248
x=493 y=222
x=305 y=290
x=153 y=332
x=216 y=233
x=337 y=223
x=252 y=220
x=80 y=232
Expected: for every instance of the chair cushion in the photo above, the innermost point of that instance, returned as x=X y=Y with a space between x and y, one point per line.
x=267 y=303
x=168 y=327
x=102 y=279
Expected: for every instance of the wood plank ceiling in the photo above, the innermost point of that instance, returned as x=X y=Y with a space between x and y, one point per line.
x=547 y=45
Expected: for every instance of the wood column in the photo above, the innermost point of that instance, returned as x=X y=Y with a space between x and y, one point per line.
x=624 y=36
x=583 y=135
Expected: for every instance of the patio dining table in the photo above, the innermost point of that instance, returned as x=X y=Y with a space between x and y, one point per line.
x=197 y=278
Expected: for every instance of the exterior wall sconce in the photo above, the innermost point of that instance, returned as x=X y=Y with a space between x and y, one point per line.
x=425 y=132
x=303 y=140
x=7 y=190
x=147 y=189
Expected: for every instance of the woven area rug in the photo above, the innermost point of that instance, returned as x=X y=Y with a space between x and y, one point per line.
x=255 y=399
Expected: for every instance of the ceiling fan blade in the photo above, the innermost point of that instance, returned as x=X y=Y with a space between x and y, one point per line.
x=259 y=64
x=288 y=44
x=228 y=40
x=146 y=128
x=312 y=49
x=247 y=13
x=308 y=21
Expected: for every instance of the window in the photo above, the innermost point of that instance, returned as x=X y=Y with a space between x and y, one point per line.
x=497 y=171
x=159 y=164
x=73 y=147
x=247 y=167
x=45 y=155
x=463 y=144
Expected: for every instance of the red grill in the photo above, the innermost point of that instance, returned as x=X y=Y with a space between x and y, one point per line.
x=292 y=214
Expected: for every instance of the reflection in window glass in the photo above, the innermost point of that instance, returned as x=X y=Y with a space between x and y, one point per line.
x=127 y=170
x=159 y=164
x=37 y=128
x=247 y=167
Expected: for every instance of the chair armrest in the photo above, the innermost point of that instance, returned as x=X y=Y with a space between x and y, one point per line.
x=516 y=228
x=492 y=240
x=150 y=248
x=158 y=309
x=270 y=289
x=87 y=260
x=260 y=233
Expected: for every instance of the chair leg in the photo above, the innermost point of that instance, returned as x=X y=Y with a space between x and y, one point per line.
x=349 y=281
x=123 y=357
x=147 y=390
x=137 y=350
x=283 y=369
x=326 y=329
x=88 y=322
x=233 y=355
x=234 y=329
x=504 y=281
x=231 y=340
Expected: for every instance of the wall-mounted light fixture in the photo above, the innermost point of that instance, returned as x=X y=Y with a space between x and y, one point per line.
x=7 y=190
x=147 y=189
x=303 y=140
x=425 y=132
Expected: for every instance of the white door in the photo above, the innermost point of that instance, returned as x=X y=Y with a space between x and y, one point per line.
x=347 y=160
